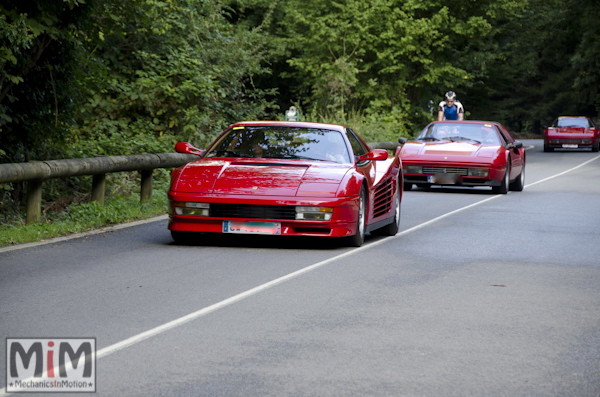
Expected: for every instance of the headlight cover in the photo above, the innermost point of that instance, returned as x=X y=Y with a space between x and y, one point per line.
x=191 y=209
x=413 y=169
x=313 y=213
x=482 y=172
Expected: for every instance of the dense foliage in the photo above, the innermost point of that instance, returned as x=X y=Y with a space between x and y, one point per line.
x=93 y=77
x=113 y=76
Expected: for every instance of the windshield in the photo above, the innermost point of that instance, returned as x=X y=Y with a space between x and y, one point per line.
x=282 y=142
x=477 y=133
x=572 y=122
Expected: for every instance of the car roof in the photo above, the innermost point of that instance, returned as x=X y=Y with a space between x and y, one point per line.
x=297 y=124
x=466 y=122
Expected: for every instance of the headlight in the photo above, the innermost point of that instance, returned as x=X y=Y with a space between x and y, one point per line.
x=314 y=213
x=413 y=169
x=479 y=172
x=191 y=209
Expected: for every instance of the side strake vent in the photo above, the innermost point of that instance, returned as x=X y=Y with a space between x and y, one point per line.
x=383 y=199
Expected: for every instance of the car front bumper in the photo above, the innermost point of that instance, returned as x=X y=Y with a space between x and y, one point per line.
x=572 y=141
x=494 y=178
x=342 y=223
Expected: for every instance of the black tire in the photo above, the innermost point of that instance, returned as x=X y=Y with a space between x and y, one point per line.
x=503 y=188
x=359 y=238
x=408 y=186
x=596 y=147
x=518 y=184
x=391 y=229
x=548 y=148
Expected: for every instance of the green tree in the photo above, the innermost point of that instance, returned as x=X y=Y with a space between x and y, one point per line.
x=387 y=58
x=586 y=59
x=547 y=66
x=166 y=70
x=39 y=45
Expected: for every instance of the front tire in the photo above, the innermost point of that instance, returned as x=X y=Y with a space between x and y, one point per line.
x=504 y=186
x=359 y=238
x=518 y=184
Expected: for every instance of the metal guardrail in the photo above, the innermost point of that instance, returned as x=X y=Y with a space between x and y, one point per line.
x=388 y=145
x=34 y=173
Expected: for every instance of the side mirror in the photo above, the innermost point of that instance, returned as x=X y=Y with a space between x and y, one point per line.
x=185 y=147
x=515 y=145
x=402 y=140
x=374 y=155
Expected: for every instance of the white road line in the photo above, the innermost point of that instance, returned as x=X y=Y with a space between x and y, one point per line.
x=241 y=296
x=564 y=172
x=236 y=298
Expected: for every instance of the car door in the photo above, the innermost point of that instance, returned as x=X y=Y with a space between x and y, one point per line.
x=517 y=155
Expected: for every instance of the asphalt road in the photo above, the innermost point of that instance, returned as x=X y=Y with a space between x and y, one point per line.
x=478 y=295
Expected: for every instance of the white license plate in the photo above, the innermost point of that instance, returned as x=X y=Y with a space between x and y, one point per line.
x=251 y=227
x=570 y=146
x=443 y=179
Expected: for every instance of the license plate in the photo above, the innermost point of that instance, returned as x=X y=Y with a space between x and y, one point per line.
x=251 y=227
x=443 y=179
x=570 y=146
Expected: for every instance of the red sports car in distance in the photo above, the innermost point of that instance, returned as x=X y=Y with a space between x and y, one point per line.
x=286 y=178
x=464 y=153
x=569 y=132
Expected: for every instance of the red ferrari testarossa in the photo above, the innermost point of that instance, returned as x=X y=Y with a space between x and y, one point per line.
x=286 y=178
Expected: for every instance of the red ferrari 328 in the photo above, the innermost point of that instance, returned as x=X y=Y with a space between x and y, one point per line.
x=464 y=153
x=572 y=133
x=286 y=178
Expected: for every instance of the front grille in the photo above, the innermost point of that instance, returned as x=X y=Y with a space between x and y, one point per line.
x=444 y=170
x=230 y=211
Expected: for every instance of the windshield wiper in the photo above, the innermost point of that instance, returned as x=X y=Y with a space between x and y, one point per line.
x=295 y=156
x=231 y=152
x=461 y=138
x=428 y=138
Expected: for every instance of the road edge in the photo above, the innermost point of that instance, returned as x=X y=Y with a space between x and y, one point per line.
x=104 y=229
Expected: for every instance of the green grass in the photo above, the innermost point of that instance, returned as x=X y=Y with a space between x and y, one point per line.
x=85 y=216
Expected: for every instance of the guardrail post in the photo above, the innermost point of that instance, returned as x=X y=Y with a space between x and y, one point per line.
x=34 y=201
x=146 y=186
x=98 y=187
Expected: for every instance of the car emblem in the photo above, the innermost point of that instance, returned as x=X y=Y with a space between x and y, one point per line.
x=254 y=187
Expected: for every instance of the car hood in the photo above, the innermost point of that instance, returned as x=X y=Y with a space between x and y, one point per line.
x=252 y=177
x=463 y=151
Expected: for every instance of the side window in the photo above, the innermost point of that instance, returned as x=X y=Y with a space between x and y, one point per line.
x=504 y=137
x=357 y=146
